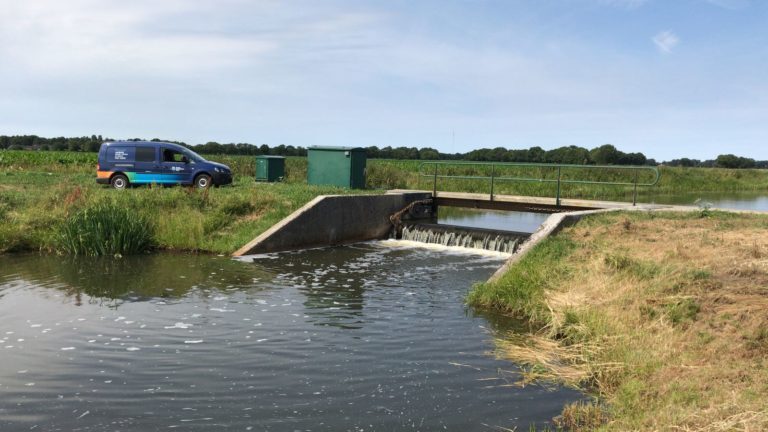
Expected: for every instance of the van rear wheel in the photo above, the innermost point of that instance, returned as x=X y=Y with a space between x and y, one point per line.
x=119 y=181
x=203 y=181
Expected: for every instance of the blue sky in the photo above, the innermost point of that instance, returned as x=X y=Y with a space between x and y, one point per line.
x=669 y=78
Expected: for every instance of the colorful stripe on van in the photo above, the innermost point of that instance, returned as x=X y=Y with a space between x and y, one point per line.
x=145 y=178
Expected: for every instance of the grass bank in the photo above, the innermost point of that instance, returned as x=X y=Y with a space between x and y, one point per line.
x=663 y=317
x=39 y=211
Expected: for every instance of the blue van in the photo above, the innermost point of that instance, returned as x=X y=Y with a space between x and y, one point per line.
x=123 y=163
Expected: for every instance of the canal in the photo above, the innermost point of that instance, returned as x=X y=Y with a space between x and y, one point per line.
x=372 y=336
x=530 y=222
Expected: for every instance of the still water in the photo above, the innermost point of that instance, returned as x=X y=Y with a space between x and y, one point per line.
x=368 y=337
x=530 y=222
x=726 y=200
x=491 y=219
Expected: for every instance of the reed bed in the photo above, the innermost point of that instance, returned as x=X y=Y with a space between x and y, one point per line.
x=105 y=229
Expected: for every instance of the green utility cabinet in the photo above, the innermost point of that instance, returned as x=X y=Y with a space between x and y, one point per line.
x=338 y=166
x=270 y=168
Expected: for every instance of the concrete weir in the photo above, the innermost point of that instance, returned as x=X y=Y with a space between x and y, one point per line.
x=331 y=220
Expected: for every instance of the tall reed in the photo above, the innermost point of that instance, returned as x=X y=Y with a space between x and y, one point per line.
x=104 y=228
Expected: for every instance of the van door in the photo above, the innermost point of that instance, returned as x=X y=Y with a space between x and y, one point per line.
x=146 y=166
x=176 y=167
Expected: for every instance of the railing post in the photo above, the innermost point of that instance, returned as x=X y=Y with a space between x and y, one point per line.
x=634 y=194
x=557 y=201
x=493 y=171
x=434 y=184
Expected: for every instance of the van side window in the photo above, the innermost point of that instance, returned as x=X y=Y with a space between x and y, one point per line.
x=145 y=154
x=172 y=156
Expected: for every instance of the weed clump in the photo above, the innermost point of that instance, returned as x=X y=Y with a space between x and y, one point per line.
x=682 y=311
x=105 y=229
x=581 y=416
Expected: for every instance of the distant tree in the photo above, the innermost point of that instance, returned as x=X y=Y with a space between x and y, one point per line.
x=684 y=162
x=733 y=161
x=373 y=152
x=518 y=155
x=427 y=153
x=568 y=155
x=605 y=155
x=537 y=155
x=631 y=159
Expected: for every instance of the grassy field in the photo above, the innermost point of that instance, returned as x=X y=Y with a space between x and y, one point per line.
x=40 y=191
x=663 y=317
x=394 y=174
x=41 y=204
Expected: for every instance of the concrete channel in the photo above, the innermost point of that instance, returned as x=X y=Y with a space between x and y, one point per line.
x=332 y=220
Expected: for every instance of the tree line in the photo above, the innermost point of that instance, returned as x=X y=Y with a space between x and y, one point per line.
x=603 y=155
x=722 y=161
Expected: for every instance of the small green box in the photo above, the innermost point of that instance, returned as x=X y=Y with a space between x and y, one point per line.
x=270 y=168
x=337 y=166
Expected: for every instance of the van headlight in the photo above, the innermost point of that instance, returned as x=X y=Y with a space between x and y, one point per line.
x=218 y=170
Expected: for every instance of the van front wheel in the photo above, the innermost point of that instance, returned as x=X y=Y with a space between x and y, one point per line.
x=203 y=181
x=119 y=181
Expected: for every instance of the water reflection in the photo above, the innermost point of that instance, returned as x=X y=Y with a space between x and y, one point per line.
x=728 y=200
x=367 y=337
x=491 y=219
x=111 y=281
x=335 y=291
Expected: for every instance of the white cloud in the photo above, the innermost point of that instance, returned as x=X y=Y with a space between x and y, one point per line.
x=666 y=41
x=84 y=38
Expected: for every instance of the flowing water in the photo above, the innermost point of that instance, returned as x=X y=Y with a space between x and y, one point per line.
x=454 y=236
x=368 y=337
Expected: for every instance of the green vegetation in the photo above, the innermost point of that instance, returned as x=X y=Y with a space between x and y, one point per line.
x=394 y=174
x=44 y=196
x=660 y=316
x=105 y=228
x=404 y=174
x=531 y=278
x=606 y=154
x=40 y=190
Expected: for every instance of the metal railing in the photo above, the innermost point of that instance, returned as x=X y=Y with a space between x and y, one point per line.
x=430 y=169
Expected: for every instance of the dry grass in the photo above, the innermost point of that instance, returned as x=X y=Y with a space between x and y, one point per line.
x=664 y=317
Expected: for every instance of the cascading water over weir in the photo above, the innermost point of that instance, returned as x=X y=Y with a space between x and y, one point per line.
x=475 y=238
x=415 y=229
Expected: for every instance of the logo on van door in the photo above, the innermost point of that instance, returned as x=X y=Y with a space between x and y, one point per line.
x=177 y=168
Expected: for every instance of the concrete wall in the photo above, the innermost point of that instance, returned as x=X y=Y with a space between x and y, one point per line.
x=332 y=220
